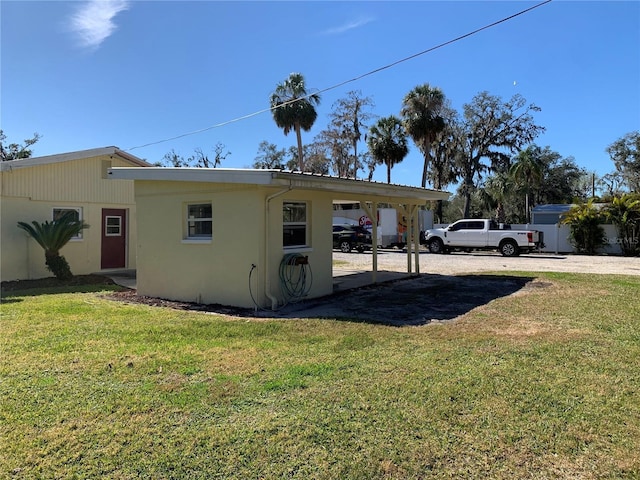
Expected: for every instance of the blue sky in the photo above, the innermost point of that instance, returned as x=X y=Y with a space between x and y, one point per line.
x=129 y=73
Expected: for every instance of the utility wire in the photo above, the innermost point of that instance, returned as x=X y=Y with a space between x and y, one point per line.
x=354 y=79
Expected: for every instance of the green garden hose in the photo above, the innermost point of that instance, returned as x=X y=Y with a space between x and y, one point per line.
x=295 y=277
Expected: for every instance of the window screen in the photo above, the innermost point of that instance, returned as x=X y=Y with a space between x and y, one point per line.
x=294 y=224
x=199 y=221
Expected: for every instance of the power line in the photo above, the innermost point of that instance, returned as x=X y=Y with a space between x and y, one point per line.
x=354 y=79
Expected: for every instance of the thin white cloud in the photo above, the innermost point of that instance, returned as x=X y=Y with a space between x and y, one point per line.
x=93 y=21
x=348 y=26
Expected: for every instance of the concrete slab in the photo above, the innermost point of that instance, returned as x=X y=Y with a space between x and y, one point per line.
x=419 y=300
x=343 y=280
x=125 y=278
x=349 y=279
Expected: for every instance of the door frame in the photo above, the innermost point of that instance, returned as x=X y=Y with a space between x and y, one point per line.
x=114 y=254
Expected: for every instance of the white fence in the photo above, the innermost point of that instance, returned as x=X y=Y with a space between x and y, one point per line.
x=556 y=238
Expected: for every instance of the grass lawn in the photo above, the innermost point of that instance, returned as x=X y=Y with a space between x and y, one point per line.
x=541 y=384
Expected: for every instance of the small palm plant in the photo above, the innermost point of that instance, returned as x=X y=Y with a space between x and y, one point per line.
x=52 y=236
x=624 y=213
x=586 y=233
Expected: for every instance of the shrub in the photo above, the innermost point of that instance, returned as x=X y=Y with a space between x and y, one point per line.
x=585 y=232
x=52 y=236
x=624 y=213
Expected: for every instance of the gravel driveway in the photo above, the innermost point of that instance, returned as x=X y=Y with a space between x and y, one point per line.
x=461 y=263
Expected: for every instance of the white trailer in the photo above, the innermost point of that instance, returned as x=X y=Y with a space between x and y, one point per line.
x=392 y=225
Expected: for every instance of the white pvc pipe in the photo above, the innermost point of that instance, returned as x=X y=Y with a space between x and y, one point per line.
x=267 y=268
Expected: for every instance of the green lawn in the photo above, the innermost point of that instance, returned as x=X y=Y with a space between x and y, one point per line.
x=541 y=384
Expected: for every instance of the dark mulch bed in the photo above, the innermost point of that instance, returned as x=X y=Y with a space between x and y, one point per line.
x=53 y=282
x=418 y=301
x=131 y=296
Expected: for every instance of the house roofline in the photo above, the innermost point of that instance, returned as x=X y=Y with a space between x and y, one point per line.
x=69 y=156
x=349 y=188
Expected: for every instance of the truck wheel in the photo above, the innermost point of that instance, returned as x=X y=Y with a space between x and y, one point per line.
x=345 y=246
x=509 y=248
x=436 y=245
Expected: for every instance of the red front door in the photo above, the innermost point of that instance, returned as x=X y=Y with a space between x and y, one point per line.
x=114 y=238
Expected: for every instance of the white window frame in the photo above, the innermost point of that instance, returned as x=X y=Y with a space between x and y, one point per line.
x=191 y=221
x=55 y=210
x=288 y=223
x=106 y=226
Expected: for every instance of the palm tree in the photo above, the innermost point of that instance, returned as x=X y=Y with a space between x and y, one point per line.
x=293 y=108
x=624 y=213
x=387 y=142
x=421 y=111
x=52 y=236
x=527 y=171
x=445 y=151
x=498 y=188
x=585 y=229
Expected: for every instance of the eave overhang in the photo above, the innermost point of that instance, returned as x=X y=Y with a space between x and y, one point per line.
x=342 y=188
x=66 y=157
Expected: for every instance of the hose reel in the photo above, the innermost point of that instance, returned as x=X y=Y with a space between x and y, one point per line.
x=295 y=277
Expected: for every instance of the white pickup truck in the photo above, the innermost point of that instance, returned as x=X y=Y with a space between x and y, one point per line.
x=482 y=234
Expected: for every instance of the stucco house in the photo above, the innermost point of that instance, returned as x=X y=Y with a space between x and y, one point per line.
x=240 y=237
x=41 y=188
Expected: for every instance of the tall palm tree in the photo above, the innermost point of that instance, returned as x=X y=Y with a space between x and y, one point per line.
x=387 y=142
x=421 y=111
x=527 y=171
x=293 y=108
x=52 y=236
x=445 y=152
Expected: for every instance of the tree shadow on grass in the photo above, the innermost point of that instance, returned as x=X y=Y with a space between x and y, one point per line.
x=410 y=302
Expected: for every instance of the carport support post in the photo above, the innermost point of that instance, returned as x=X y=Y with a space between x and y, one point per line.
x=411 y=213
x=373 y=215
x=416 y=237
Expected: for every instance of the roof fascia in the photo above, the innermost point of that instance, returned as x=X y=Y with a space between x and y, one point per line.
x=66 y=157
x=347 y=189
x=132 y=158
x=182 y=174
x=355 y=190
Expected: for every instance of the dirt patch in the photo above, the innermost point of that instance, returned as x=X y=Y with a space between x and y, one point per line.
x=408 y=302
x=426 y=299
x=416 y=301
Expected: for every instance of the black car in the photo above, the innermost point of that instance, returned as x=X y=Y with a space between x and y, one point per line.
x=349 y=237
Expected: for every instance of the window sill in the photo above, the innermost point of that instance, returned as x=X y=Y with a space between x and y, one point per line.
x=297 y=249
x=195 y=241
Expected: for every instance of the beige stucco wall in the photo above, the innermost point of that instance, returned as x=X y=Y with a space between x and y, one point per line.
x=246 y=232
x=31 y=193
